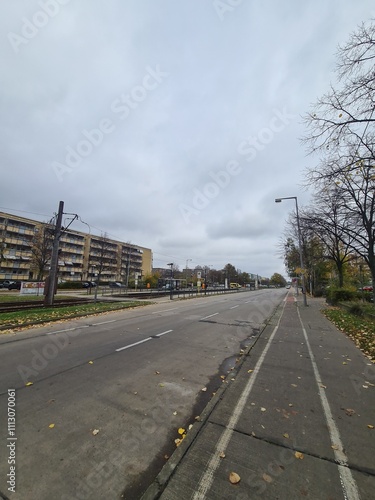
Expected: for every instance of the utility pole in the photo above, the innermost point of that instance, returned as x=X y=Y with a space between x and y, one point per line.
x=52 y=278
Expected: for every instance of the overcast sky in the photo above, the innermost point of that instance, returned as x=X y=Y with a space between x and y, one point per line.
x=172 y=124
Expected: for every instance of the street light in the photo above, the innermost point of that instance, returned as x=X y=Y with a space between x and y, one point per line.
x=278 y=200
x=187 y=260
x=170 y=286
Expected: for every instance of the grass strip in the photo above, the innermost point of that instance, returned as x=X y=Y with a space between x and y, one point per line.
x=360 y=330
x=13 y=320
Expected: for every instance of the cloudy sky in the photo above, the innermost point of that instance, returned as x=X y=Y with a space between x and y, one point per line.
x=172 y=124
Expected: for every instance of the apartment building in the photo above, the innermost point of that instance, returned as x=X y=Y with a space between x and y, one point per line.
x=25 y=247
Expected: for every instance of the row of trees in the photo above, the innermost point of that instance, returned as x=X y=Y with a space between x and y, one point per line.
x=338 y=228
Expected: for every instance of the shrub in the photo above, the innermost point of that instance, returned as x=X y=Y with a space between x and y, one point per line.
x=335 y=295
x=70 y=285
x=356 y=309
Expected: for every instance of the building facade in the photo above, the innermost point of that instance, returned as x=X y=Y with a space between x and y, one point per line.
x=25 y=252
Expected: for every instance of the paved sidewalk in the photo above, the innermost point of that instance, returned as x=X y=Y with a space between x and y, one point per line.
x=293 y=422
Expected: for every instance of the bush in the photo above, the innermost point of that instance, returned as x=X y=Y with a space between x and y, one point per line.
x=356 y=309
x=335 y=295
x=70 y=285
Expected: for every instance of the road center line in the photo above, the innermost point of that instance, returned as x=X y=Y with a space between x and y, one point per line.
x=348 y=483
x=163 y=333
x=208 y=476
x=210 y=316
x=132 y=345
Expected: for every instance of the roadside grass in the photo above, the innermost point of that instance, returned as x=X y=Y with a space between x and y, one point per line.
x=13 y=320
x=16 y=297
x=360 y=329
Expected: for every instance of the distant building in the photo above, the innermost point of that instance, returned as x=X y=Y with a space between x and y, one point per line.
x=80 y=254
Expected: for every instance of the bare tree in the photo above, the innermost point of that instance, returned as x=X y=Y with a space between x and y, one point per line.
x=41 y=250
x=342 y=131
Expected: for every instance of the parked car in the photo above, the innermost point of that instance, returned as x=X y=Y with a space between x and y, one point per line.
x=6 y=283
x=368 y=288
x=116 y=284
x=16 y=285
x=88 y=284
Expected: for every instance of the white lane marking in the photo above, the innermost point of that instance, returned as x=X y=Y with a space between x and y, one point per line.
x=348 y=483
x=132 y=345
x=68 y=329
x=233 y=307
x=210 y=316
x=104 y=322
x=165 y=310
x=208 y=476
x=61 y=331
x=163 y=333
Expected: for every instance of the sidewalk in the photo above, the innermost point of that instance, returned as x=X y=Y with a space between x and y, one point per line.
x=293 y=422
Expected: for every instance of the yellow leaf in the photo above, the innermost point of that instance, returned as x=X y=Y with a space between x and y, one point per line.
x=370 y=426
x=222 y=455
x=29 y=383
x=286 y=435
x=250 y=371
x=181 y=430
x=267 y=478
x=234 y=478
x=91 y=362
x=95 y=432
x=299 y=455
x=51 y=426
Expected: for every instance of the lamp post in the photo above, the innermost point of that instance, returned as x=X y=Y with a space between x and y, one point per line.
x=170 y=286
x=187 y=260
x=279 y=200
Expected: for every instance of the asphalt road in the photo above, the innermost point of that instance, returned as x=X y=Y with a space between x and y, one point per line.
x=110 y=392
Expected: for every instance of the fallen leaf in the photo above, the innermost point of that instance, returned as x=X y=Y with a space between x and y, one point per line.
x=267 y=478
x=178 y=442
x=263 y=409
x=222 y=455
x=370 y=426
x=135 y=392
x=161 y=385
x=250 y=371
x=91 y=362
x=166 y=457
x=294 y=385
x=286 y=435
x=349 y=412
x=204 y=389
x=335 y=447
x=299 y=455
x=181 y=431
x=234 y=478
x=174 y=413
x=157 y=373
x=51 y=426
x=28 y=384
x=95 y=432
x=323 y=386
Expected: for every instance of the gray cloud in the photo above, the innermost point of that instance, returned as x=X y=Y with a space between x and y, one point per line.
x=228 y=75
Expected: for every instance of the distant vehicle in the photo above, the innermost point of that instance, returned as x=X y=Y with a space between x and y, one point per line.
x=234 y=285
x=368 y=288
x=116 y=284
x=16 y=285
x=6 y=283
x=287 y=286
x=88 y=284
